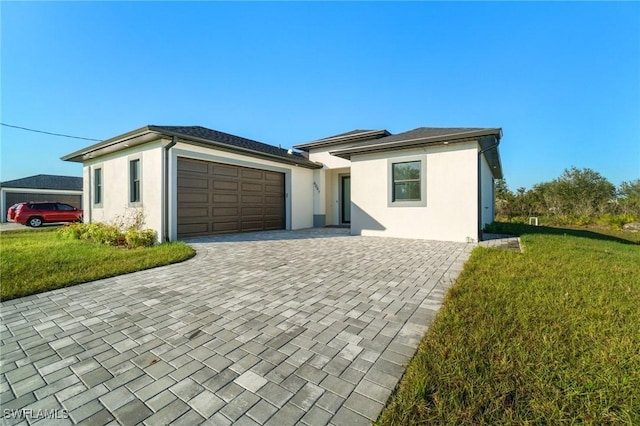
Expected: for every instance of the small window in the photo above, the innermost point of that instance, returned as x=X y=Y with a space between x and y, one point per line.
x=134 y=176
x=97 y=186
x=406 y=181
x=65 y=207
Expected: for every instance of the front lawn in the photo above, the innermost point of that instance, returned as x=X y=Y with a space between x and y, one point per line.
x=36 y=261
x=548 y=336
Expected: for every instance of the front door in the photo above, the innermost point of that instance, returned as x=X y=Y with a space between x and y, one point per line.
x=345 y=199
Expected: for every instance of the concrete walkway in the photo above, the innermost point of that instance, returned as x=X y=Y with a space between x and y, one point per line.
x=276 y=328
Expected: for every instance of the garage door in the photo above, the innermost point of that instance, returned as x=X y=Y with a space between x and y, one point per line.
x=216 y=198
x=19 y=197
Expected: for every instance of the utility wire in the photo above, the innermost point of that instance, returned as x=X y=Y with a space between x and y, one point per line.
x=49 y=133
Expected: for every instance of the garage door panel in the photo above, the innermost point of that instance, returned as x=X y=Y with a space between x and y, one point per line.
x=252 y=225
x=273 y=211
x=227 y=198
x=225 y=185
x=274 y=176
x=192 y=197
x=193 y=167
x=193 y=212
x=252 y=211
x=252 y=187
x=225 y=211
x=231 y=226
x=252 y=174
x=194 y=182
x=193 y=228
x=252 y=199
x=270 y=199
x=223 y=170
x=273 y=189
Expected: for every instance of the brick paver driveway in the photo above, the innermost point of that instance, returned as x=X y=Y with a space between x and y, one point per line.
x=269 y=328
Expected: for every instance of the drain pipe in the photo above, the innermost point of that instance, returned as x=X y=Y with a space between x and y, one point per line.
x=167 y=148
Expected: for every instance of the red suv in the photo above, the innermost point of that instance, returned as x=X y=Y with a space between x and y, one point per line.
x=36 y=213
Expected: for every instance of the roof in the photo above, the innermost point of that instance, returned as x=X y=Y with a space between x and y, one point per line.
x=353 y=136
x=489 y=138
x=70 y=183
x=197 y=135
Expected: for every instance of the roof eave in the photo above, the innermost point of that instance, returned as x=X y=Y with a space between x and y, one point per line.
x=418 y=142
x=230 y=148
x=338 y=140
x=85 y=153
x=148 y=133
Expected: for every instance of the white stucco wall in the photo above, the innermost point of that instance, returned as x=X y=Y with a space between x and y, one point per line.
x=115 y=186
x=321 y=155
x=450 y=212
x=326 y=197
x=487 y=192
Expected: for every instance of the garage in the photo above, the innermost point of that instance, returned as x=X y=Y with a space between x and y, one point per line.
x=215 y=198
x=63 y=189
x=19 y=197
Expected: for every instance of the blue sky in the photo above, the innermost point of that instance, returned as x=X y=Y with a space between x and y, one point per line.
x=561 y=79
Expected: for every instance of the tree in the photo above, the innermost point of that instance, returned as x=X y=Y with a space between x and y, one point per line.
x=583 y=192
x=629 y=197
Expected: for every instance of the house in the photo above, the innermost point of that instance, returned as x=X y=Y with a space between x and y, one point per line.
x=64 y=189
x=429 y=183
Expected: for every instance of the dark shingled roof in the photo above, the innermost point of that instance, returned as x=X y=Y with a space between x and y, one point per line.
x=420 y=133
x=70 y=183
x=342 y=138
x=196 y=135
x=234 y=141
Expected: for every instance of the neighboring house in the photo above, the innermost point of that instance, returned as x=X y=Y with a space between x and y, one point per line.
x=64 y=189
x=428 y=183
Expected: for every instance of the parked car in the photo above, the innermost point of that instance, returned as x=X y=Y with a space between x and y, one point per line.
x=36 y=213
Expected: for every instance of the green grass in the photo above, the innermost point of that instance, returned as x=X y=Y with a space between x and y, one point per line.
x=35 y=261
x=548 y=336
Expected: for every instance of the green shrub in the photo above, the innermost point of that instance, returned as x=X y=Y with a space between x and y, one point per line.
x=140 y=238
x=616 y=221
x=109 y=235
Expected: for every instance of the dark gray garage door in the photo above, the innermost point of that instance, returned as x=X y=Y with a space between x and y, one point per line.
x=216 y=198
x=19 y=197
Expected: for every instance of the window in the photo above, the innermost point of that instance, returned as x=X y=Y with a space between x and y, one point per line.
x=134 y=177
x=65 y=207
x=406 y=181
x=97 y=186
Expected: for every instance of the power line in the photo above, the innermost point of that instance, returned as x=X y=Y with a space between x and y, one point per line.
x=50 y=133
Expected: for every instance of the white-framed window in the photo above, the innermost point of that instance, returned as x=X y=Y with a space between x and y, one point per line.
x=135 y=181
x=407 y=181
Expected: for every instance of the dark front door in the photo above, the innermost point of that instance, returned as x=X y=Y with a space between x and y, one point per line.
x=345 y=199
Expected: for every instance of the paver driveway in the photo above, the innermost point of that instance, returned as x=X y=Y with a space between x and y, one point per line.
x=277 y=328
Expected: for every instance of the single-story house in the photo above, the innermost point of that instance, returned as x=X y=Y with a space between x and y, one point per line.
x=64 y=189
x=427 y=183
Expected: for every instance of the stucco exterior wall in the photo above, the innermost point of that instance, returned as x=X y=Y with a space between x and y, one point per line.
x=326 y=197
x=321 y=155
x=450 y=212
x=115 y=186
x=487 y=192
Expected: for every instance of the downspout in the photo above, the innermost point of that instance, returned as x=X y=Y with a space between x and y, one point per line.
x=167 y=148
x=90 y=186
